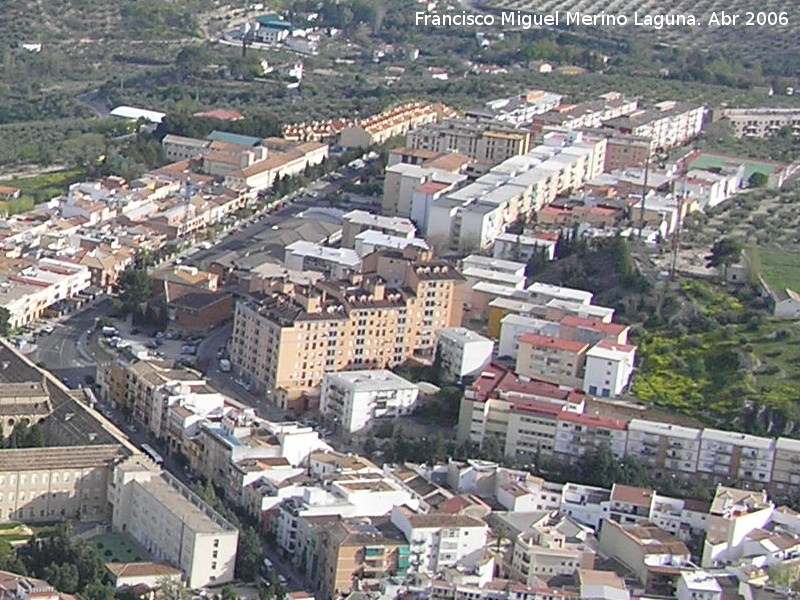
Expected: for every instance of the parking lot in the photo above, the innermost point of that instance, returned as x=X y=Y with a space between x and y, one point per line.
x=168 y=345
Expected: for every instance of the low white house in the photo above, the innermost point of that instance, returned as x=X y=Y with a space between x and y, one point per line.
x=352 y=399
x=462 y=352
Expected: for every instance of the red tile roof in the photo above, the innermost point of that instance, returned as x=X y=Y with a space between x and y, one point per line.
x=632 y=495
x=495 y=380
x=606 y=345
x=431 y=187
x=610 y=328
x=543 y=341
x=593 y=420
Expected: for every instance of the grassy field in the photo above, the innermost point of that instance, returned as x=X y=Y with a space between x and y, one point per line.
x=38 y=188
x=117 y=547
x=779 y=269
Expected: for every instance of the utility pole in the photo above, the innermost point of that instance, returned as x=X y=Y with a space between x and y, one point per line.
x=644 y=193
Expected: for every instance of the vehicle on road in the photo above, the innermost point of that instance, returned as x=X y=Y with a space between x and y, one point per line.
x=109 y=331
x=155 y=456
x=225 y=365
x=48 y=330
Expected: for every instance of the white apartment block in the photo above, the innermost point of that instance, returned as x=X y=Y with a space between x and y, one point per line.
x=762 y=122
x=523 y=107
x=737 y=455
x=608 y=368
x=352 y=400
x=471 y=217
x=402 y=182
x=462 y=352
x=513 y=246
x=547 y=552
x=667 y=124
x=173 y=523
x=336 y=263
x=439 y=540
x=579 y=435
x=664 y=446
x=359 y=221
x=369 y=241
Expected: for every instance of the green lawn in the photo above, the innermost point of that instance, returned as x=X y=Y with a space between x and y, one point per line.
x=710 y=160
x=780 y=269
x=39 y=188
x=118 y=547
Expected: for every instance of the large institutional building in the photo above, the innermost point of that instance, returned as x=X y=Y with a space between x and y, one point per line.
x=88 y=471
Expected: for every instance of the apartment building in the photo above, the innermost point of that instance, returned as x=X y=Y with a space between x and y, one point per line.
x=608 y=368
x=585 y=115
x=655 y=556
x=391 y=123
x=289 y=341
x=485 y=140
x=552 y=547
x=785 y=467
x=736 y=455
x=439 y=540
x=358 y=221
x=172 y=523
x=219 y=447
x=462 y=352
x=580 y=435
x=523 y=246
x=352 y=400
x=551 y=359
x=344 y=554
x=513 y=327
x=664 y=447
x=519 y=413
x=471 y=217
x=668 y=124
x=368 y=242
x=409 y=189
x=519 y=109
x=139 y=387
x=762 y=122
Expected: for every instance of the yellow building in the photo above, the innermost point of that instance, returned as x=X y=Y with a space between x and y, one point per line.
x=284 y=344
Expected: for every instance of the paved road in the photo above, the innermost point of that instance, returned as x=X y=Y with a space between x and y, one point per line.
x=66 y=347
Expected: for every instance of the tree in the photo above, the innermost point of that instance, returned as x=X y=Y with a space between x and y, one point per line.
x=134 y=286
x=5 y=321
x=248 y=554
x=172 y=589
x=724 y=253
x=757 y=180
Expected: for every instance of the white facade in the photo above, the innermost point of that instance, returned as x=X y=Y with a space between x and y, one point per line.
x=353 y=399
x=698 y=585
x=337 y=263
x=522 y=247
x=512 y=327
x=439 y=540
x=462 y=352
x=173 y=524
x=609 y=368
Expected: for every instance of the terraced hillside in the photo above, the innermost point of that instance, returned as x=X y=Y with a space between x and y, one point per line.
x=774 y=45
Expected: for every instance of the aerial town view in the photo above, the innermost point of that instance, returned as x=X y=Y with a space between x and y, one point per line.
x=399 y=300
